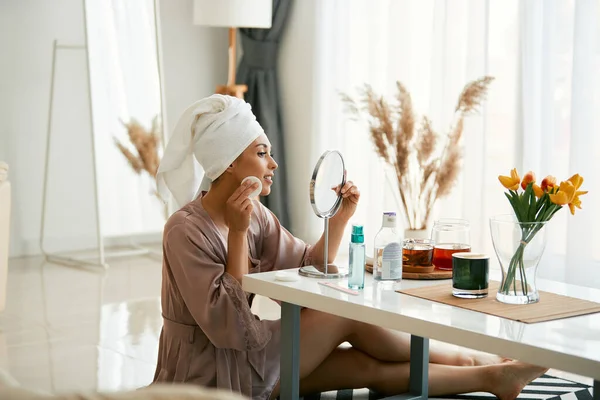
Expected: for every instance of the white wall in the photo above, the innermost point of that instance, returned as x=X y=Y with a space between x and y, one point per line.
x=28 y=28
x=194 y=60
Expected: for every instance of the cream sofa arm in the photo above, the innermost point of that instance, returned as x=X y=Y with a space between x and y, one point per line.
x=5 y=197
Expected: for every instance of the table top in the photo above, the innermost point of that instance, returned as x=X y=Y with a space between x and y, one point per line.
x=570 y=344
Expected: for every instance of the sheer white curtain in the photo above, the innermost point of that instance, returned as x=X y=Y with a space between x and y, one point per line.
x=125 y=85
x=541 y=112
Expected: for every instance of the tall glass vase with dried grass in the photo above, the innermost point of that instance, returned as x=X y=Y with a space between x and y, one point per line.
x=426 y=164
x=146 y=143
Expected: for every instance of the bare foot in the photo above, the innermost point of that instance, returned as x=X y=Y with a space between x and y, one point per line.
x=512 y=377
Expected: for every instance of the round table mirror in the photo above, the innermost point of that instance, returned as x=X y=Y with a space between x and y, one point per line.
x=329 y=176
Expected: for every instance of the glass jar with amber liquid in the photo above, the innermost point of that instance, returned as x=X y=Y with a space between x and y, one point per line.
x=450 y=236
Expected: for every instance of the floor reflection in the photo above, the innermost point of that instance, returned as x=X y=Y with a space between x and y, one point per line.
x=69 y=329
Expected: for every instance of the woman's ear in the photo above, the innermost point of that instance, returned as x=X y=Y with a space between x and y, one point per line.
x=230 y=168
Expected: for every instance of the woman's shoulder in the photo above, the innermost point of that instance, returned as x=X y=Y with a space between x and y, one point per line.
x=186 y=221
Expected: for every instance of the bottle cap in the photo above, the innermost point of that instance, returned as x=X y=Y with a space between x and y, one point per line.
x=389 y=220
x=357 y=234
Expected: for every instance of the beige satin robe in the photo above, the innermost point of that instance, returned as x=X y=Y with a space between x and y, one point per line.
x=210 y=336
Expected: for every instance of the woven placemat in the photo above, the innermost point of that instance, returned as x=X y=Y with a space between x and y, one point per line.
x=550 y=307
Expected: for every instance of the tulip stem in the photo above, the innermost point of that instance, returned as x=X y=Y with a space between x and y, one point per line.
x=517 y=262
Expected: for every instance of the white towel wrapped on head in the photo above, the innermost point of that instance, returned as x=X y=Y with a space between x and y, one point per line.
x=214 y=130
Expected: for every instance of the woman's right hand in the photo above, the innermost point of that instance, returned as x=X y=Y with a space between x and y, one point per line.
x=239 y=207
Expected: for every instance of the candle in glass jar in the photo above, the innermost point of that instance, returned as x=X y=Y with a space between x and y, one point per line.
x=470 y=275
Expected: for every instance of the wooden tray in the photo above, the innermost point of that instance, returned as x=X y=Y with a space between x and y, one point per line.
x=436 y=274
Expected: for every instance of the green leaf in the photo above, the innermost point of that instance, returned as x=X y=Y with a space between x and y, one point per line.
x=532 y=203
x=529 y=203
x=540 y=203
x=515 y=202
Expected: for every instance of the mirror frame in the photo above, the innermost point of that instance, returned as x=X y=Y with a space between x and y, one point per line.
x=338 y=203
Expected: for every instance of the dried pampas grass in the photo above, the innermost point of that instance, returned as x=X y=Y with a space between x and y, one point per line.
x=425 y=171
x=146 y=144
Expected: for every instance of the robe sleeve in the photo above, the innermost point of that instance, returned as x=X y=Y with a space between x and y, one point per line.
x=214 y=298
x=281 y=249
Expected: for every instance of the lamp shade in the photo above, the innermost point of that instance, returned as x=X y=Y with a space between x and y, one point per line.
x=233 y=13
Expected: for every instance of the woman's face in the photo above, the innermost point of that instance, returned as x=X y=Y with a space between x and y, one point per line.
x=257 y=160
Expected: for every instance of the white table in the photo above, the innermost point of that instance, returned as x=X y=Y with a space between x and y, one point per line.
x=571 y=345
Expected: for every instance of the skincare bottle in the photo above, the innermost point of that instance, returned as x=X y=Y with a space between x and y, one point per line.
x=387 y=260
x=356 y=270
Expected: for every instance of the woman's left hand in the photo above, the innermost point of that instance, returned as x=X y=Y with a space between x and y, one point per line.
x=350 y=196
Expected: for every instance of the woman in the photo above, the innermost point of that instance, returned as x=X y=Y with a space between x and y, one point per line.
x=210 y=336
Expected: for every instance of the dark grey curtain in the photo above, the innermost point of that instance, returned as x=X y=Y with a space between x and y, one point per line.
x=258 y=70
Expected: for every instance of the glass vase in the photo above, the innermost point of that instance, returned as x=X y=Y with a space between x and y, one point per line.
x=519 y=247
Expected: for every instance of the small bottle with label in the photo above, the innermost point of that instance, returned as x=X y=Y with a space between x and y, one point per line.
x=387 y=260
x=356 y=270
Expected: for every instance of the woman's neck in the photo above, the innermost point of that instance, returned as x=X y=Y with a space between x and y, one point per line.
x=215 y=200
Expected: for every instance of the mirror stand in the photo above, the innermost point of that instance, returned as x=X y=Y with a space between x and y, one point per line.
x=325 y=270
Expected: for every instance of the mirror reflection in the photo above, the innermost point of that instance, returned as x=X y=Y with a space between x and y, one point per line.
x=127 y=113
x=328 y=178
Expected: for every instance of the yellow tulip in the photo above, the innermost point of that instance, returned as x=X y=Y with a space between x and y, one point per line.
x=527 y=179
x=538 y=191
x=510 y=182
x=565 y=194
x=576 y=201
x=576 y=180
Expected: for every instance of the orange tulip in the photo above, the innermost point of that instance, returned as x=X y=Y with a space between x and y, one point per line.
x=527 y=179
x=510 y=182
x=538 y=191
x=548 y=183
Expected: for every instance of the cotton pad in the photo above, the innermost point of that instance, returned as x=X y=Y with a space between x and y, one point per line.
x=254 y=179
x=285 y=276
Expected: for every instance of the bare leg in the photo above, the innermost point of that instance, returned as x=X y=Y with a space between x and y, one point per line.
x=386 y=345
x=351 y=369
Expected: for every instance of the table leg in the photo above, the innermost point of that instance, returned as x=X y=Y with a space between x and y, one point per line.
x=596 y=389
x=290 y=352
x=419 y=366
x=418 y=388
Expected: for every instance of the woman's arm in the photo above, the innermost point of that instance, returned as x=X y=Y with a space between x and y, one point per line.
x=237 y=254
x=238 y=213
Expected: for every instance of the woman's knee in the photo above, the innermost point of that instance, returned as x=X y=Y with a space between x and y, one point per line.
x=341 y=328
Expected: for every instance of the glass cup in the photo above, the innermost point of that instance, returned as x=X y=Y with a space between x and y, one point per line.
x=450 y=236
x=417 y=252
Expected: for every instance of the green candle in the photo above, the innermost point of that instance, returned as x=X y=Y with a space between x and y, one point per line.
x=470 y=275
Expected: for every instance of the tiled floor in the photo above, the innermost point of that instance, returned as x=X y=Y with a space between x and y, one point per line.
x=67 y=328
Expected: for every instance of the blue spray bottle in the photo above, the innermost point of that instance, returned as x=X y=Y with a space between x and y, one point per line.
x=356 y=273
